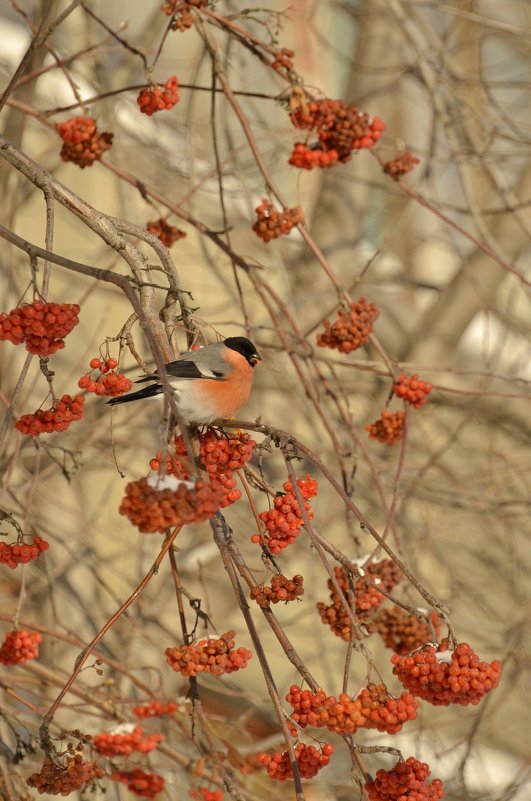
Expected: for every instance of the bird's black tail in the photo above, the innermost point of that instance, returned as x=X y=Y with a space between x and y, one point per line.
x=141 y=394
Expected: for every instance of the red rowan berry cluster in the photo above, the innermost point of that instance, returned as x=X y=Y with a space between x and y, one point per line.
x=181 y=12
x=176 y=460
x=206 y=794
x=281 y=589
x=445 y=677
x=82 y=144
x=283 y=522
x=366 y=597
x=152 y=510
x=42 y=326
x=351 y=329
x=16 y=553
x=283 y=59
x=401 y=164
x=58 y=418
x=155 y=709
x=148 y=785
x=109 y=382
x=412 y=389
x=309 y=758
x=221 y=454
x=65 y=779
x=388 y=429
x=20 y=646
x=405 y=782
x=125 y=744
x=156 y=99
x=404 y=633
x=271 y=224
x=307 y=157
x=215 y=656
x=383 y=712
x=168 y=234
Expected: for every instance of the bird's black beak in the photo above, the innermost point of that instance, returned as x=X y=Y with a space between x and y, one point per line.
x=255 y=358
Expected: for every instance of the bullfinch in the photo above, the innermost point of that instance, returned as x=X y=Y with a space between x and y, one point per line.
x=209 y=383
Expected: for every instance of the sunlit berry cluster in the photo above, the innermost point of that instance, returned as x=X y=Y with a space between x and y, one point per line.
x=155 y=709
x=108 y=383
x=156 y=99
x=372 y=708
x=181 y=10
x=388 y=429
x=20 y=553
x=226 y=452
x=58 y=418
x=215 y=656
x=281 y=589
x=147 y=785
x=283 y=522
x=411 y=389
x=204 y=794
x=351 y=329
x=55 y=779
x=403 y=632
x=442 y=676
x=20 y=646
x=340 y=129
x=82 y=144
x=405 y=782
x=155 y=510
x=126 y=743
x=271 y=224
x=309 y=759
x=42 y=326
x=367 y=597
x=168 y=234
x=306 y=157
x=401 y=164
x=283 y=60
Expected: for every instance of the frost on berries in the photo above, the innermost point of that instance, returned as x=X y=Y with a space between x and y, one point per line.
x=82 y=144
x=443 y=676
x=55 y=779
x=156 y=99
x=58 y=418
x=181 y=11
x=109 y=382
x=407 y=780
x=42 y=326
x=138 y=782
x=283 y=522
x=20 y=646
x=126 y=743
x=388 y=429
x=281 y=589
x=271 y=224
x=403 y=632
x=412 y=390
x=215 y=656
x=401 y=164
x=168 y=234
x=20 y=553
x=351 y=329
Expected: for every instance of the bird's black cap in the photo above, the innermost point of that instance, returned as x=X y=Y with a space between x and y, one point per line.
x=245 y=347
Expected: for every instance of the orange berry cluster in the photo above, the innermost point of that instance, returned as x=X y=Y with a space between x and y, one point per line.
x=13 y=554
x=388 y=429
x=156 y=99
x=306 y=157
x=152 y=510
x=411 y=389
x=373 y=708
x=125 y=744
x=280 y=589
x=271 y=224
x=283 y=522
x=206 y=794
x=58 y=418
x=283 y=59
x=148 y=785
x=108 y=382
x=366 y=597
x=401 y=164
x=155 y=709
x=226 y=452
x=309 y=759
x=168 y=234
x=40 y=325
x=208 y=656
x=65 y=779
x=175 y=460
x=405 y=782
x=82 y=144
x=351 y=329
x=445 y=677
x=181 y=12
x=404 y=633
x=20 y=646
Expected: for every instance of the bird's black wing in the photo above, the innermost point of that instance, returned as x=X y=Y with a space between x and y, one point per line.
x=182 y=368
